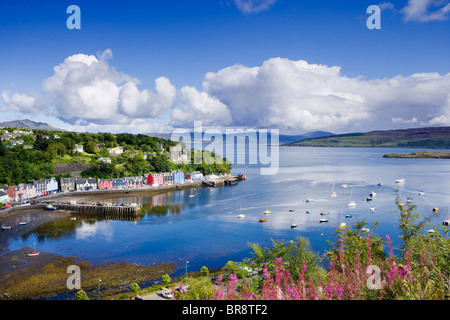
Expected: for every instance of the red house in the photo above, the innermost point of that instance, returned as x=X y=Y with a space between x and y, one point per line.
x=155 y=179
x=105 y=184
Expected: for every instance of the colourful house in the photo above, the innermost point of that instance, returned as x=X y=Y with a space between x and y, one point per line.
x=178 y=176
x=105 y=184
x=118 y=183
x=155 y=179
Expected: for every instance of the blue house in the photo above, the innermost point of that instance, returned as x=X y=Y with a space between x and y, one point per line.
x=119 y=183
x=178 y=176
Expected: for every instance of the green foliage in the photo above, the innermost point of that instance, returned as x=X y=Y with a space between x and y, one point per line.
x=204 y=271
x=165 y=278
x=81 y=295
x=135 y=287
x=266 y=257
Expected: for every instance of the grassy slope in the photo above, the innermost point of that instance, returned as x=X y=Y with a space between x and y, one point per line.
x=435 y=137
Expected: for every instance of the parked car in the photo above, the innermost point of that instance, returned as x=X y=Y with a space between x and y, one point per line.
x=166 y=293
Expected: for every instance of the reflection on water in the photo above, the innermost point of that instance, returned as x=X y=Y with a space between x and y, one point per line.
x=202 y=225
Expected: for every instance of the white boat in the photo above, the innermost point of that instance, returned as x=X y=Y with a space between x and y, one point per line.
x=365 y=230
x=333 y=193
x=352 y=203
x=348 y=216
x=446 y=222
x=431 y=231
x=323 y=213
x=309 y=200
x=323 y=220
x=372 y=209
x=344 y=185
x=400 y=181
x=293 y=225
x=6 y=227
x=22 y=223
x=291 y=210
x=50 y=207
x=34 y=253
x=267 y=212
x=342 y=225
x=241 y=216
x=192 y=195
x=372 y=193
x=421 y=193
x=379 y=184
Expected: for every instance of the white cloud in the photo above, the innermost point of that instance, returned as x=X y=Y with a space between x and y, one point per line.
x=287 y=94
x=254 y=6
x=16 y=102
x=200 y=106
x=386 y=6
x=426 y=10
x=87 y=89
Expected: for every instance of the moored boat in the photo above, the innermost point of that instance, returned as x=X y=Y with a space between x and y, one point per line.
x=262 y=220
x=267 y=212
x=6 y=227
x=293 y=225
x=241 y=216
x=323 y=220
x=50 y=207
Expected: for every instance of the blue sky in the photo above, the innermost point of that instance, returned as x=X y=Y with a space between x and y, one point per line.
x=252 y=58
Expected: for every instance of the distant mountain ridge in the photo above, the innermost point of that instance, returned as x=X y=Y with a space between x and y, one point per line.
x=28 y=124
x=283 y=138
x=429 y=137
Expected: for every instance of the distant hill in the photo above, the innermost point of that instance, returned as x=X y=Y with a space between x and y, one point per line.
x=28 y=124
x=283 y=138
x=432 y=137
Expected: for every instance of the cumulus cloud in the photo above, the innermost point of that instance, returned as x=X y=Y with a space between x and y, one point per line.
x=287 y=94
x=254 y=6
x=199 y=105
x=426 y=10
x=87 y=89
x=20 y=102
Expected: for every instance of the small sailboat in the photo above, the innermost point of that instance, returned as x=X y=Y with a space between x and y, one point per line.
x=241 y=216
x=50 y=207
x=34 y=253
x=323 y=213
x=372 y=209
x=22 y=223
x=342 y=225
x=365 y=230
x=323 y=220
x=309 y=200
x=400 y=181
x=348 y=216
x=6 y=227
x=293 y=225
x=267 y=212
x=372 y=194
x=262 y=220
x=344 y=185
x=291 y=210
x=379 y=184
x=309 y=211
x=352 y=203
x=333 y=193
x=421 y=193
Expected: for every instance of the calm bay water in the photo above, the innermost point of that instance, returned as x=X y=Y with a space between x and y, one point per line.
x=204 y=229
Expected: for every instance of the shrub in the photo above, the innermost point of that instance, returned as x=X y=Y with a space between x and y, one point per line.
x=81 y=295
x=204 y=271
x=135 y=287
x=165 y=278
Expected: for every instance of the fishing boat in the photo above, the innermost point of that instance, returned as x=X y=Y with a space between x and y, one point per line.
x=323 y=220
x=50 y=207
x=267 y=212
x=34 y=253
x=6 y=227
x=293 y=225
x=262 y=220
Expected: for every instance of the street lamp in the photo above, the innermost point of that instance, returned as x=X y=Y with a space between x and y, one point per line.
x=99 y=281
x=186 y=271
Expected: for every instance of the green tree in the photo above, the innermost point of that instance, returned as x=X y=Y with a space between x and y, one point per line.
x=81 y=295
x=135 y=287
x=165 y=278
x=204 y=271
x=89 y=147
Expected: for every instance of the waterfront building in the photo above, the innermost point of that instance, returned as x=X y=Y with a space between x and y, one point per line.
x=51 y=185
x=178 y=176
x=155 y=179
x=4 y=197
x=195 y=176
x=105 y=184
x=85 y=184
x=167 y=178
x=40 y=187
x=134 y=182
x=67 y=184
x=118 y=183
